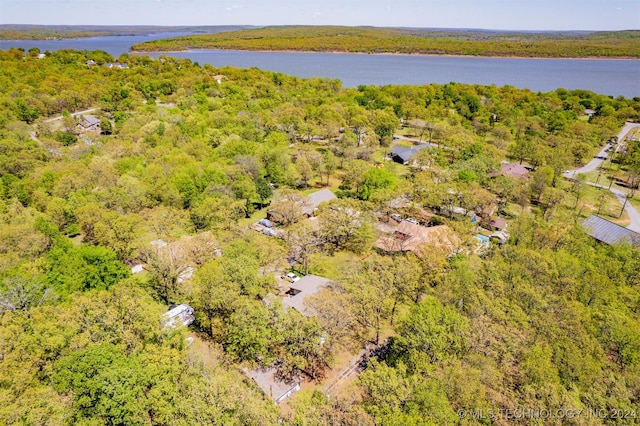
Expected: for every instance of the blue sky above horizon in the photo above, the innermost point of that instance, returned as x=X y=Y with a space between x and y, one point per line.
x=530 y=15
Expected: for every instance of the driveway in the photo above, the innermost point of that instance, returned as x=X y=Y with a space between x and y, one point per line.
x=621 y=195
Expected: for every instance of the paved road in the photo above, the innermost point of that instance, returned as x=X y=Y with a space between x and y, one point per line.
x=621 y=195
x=596 y=162
x=73 y=114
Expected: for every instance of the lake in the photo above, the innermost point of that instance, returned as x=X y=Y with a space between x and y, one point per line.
x=613 y=77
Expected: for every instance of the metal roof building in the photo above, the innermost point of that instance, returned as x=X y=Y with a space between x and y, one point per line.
x=609 y=232
x=402 y=154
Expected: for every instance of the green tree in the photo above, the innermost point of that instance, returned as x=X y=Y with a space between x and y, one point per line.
x=249 y=333
x=431 y=330
x=375 y=179
x=84 y=268
x=105 y=383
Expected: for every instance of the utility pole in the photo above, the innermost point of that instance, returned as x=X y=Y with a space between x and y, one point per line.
x=626 y=200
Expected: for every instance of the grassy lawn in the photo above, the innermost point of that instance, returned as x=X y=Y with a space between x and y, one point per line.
x=590 y=202
x=332 y=266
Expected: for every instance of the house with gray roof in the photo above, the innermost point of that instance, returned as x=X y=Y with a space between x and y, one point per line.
x=273 y=384
x=301 y=289
x=609 y=232
x=403 y=154
x=90 y=123
x=316 y=198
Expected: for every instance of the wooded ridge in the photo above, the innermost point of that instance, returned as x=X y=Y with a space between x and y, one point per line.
x=616 y=44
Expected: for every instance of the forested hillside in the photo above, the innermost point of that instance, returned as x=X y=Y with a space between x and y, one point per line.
x=620 y=44
x=57 y=32
x=169 y=165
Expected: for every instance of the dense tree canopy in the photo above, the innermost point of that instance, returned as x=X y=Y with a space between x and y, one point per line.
x=187 y=165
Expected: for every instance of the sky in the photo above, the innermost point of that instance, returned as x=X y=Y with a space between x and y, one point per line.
x=482 y=14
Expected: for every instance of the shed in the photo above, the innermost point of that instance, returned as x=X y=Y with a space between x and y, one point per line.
x=609 y=232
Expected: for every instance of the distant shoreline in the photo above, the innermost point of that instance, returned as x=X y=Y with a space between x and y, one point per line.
x=591 y=58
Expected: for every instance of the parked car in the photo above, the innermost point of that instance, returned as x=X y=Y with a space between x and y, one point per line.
x=412 y=220
x=291 y=277
x=270 y=232
x=266 y=222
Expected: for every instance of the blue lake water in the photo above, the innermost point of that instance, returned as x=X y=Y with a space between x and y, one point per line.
x=613 y=77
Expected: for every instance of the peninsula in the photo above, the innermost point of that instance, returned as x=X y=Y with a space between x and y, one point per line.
x=565 y=44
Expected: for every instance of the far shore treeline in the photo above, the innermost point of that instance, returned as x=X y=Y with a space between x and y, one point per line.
x=425 y=41
x=573 y=44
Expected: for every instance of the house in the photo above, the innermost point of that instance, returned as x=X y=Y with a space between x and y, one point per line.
x=218 y=78
x=295 y=205
x=90 y=123
x=315 y=199
x=589 y=112
x=412 y=237
x=136 y=269
x=609 y=232
x=301 y=289
x=116 y=65
x=181 y=315
x=91 y=63
x=497 y=224
x=513 y=170
x=499 y=237
x=273 y=384
x=402 y=154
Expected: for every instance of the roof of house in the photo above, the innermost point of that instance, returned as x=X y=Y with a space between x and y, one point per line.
x=273 y=384
x=609 y=232
x=498 y=223
x=90 y=120
x=178 y=315
x=411 y=237
x=406 y=153
x=307 y=286
x=316 y=198
x=513 y=169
